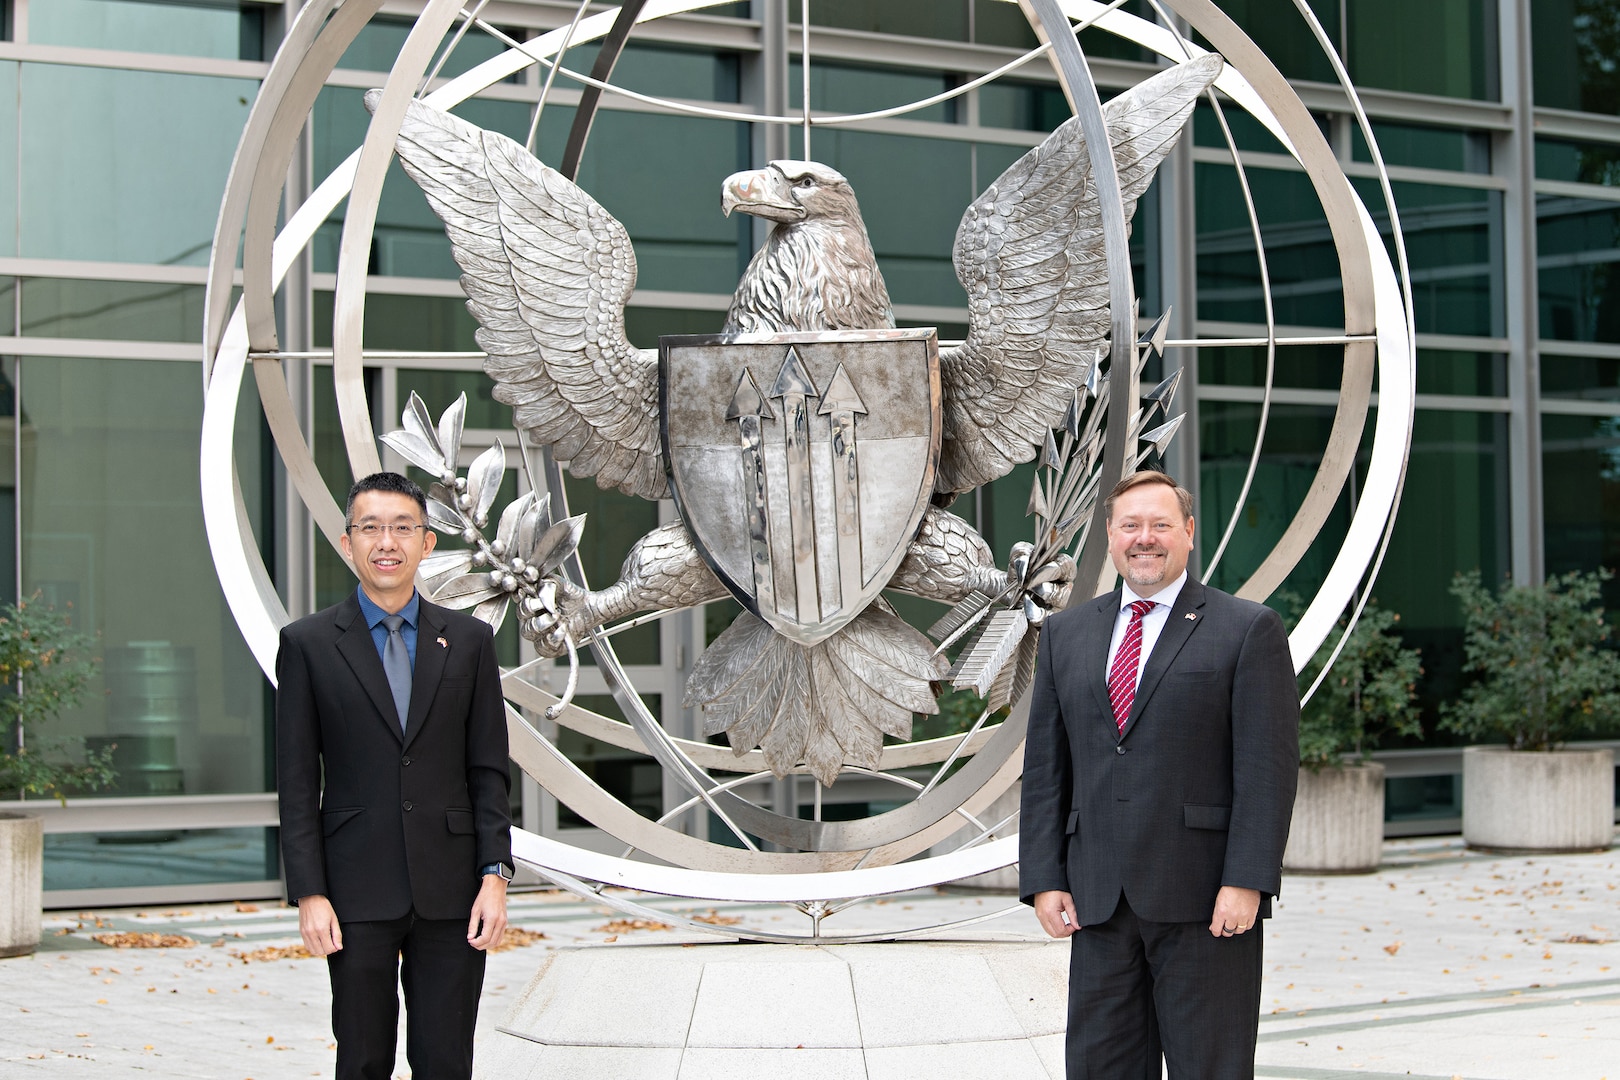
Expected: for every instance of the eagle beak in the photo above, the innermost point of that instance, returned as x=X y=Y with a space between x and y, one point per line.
x=760 y=192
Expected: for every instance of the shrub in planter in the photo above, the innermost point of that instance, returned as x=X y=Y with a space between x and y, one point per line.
x=45 y=666
x=1541 y=677
x=1368 y=693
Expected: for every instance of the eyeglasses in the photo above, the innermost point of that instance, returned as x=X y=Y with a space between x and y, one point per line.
x=372 y=531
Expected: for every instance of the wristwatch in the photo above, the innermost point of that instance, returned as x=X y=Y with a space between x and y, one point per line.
x=499 y=868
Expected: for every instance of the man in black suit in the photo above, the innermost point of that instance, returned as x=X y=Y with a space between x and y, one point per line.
x=1158 y=785
x=391 y=762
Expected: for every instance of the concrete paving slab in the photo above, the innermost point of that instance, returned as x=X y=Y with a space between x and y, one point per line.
x=774 y=996
x=1000 y=1060
x=713 y=1063
x=920 y=993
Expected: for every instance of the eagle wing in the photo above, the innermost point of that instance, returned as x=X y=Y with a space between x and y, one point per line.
x=547 y=273
x=1029 y=252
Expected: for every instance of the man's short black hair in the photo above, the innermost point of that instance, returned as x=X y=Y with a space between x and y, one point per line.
x=390 y=482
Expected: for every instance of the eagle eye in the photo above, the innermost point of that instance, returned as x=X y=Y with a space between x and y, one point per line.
x=805 y=182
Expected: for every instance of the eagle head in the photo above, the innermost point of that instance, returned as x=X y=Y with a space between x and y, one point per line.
x=789 y=192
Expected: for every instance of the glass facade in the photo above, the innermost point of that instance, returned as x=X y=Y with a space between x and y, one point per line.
x=120 y=119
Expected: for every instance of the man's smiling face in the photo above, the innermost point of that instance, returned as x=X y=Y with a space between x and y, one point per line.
x=386 y=563
x=1148 y=538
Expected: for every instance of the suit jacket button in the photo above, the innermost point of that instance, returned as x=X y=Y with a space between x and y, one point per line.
x=407 y=805
x=1119 y=749
x=406 y=761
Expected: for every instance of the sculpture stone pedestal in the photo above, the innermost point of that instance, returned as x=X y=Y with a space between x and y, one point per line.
x=967 y=1009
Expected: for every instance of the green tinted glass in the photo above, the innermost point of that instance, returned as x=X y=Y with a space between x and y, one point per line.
x=173 y=136
x=1581 y=378
x=140 y=311
x=1575 y=43
x=1577 y=241
x=1580 y=478
x=1578 y=162
x=1443 y=47
x=1301 y=259
x=1424 y=147
x=178 y=689
x=223 y=29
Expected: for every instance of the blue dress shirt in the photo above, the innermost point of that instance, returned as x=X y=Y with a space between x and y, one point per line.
x=379 y=633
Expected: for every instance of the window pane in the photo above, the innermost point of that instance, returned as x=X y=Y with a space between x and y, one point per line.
x=947 y=19
x=912 y=195
x=1276 y=26
x=216 y=28
x=139 y=311
x=1445 y=47
x=1313 y=367
x=112 y=529
x=140 y=178
x=8 y=160
x=1578 y=162
x=1022 y=106
x=379 y=42
x=1454 y=246
x=150 y=857
x=1578 y=256
x=846 y=88
x=1423 y=147
x=1575 y=43
x=1583 y=378
x=1580 y=476
x=1299 y=249
x=1456 y=371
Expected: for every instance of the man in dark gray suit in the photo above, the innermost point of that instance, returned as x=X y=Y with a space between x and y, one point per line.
x=1159 y=781
x=391 y=770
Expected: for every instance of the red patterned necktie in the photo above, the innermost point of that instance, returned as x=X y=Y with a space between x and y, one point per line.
x=1122 y=676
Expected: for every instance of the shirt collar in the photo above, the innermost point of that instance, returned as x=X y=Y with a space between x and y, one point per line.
x=1166 y=596
x=375 y=614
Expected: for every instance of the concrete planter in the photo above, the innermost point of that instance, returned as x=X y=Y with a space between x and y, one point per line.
x=22 y=861
x=1338 y=825
x=1538 y=801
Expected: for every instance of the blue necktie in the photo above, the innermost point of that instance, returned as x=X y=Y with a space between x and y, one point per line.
x=397 y=664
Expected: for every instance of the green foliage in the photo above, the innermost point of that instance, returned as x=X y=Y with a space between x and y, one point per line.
x=51 y=664
x=1370 y=692
x=958 y=709
x=1542 y=676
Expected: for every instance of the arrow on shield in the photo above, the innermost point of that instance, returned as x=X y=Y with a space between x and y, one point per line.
x=840 y=404
x=793 y=385
x=749 y=409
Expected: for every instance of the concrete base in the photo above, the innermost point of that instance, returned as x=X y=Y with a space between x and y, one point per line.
x=22 y=861
x=1533 y=801
x=969 y=1010
x=1338 y=825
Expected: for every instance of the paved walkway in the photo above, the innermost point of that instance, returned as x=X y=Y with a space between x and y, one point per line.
x=1446 y=964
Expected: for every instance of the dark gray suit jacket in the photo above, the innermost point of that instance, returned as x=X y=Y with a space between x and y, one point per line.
x=378 y=820
x=1198 y=791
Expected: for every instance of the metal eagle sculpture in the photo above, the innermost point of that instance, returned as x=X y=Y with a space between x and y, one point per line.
x=547 y=272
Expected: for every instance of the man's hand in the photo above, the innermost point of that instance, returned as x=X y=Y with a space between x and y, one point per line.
x=1235 y=911
x=488 y=920
x=1055 y=909
x=318 y=926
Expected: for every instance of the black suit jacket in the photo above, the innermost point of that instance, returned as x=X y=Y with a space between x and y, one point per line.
x=1198 y=791
x=378 y=820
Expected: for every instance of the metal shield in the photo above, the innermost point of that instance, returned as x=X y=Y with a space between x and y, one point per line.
x=802 y=463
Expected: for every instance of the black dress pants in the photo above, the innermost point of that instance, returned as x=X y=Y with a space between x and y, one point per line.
x=1138 y=988
x=442 y=976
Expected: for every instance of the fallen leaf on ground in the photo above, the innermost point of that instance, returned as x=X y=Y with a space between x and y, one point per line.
x=517 y=938
x=143 y=939
x=273 y=952
x=714 y=918
x=624 y=926
x=1393 y=948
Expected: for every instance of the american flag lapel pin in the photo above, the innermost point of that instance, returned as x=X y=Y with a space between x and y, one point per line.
x=443 y=644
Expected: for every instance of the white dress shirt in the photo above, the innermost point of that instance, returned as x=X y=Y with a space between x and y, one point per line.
x=1152 y=623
